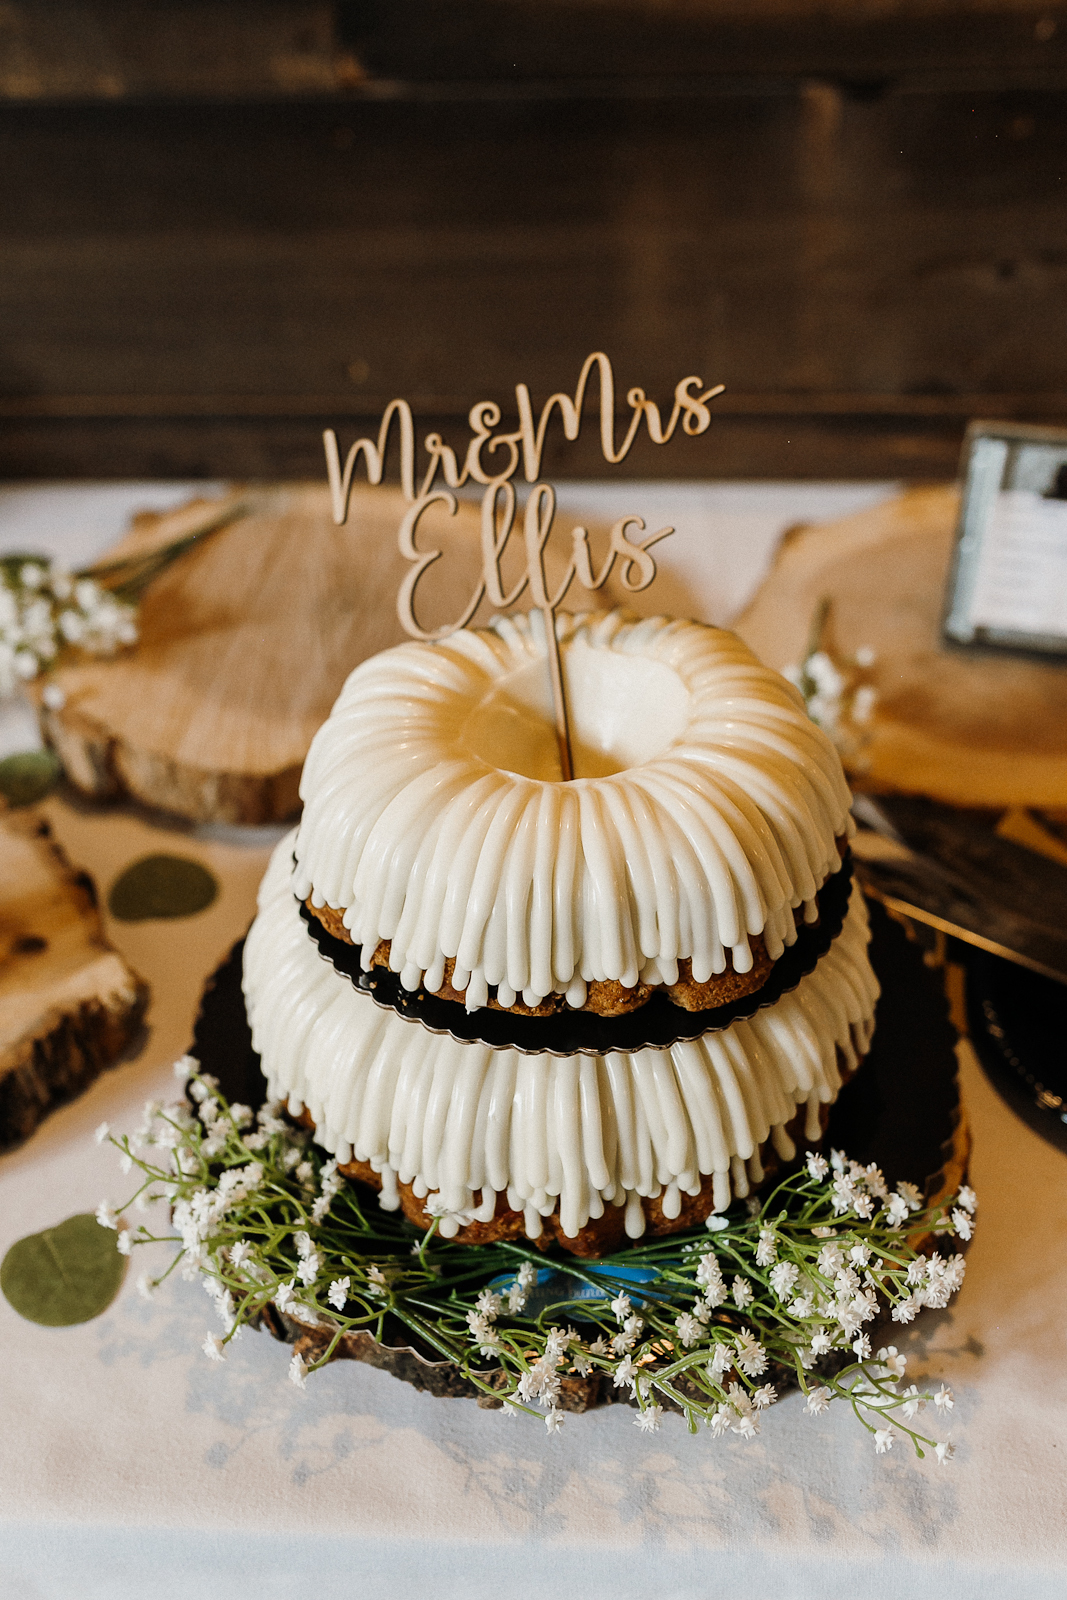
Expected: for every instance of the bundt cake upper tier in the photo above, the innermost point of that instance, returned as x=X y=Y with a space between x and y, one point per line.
x=704 y=812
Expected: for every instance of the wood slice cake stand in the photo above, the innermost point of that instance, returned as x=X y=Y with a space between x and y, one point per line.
x=245 y=641
x=901 y=1111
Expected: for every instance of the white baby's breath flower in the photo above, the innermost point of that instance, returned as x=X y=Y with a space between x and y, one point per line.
x=145 y=1286
x=689 y=1330
x=764 y=1396
x=298 y=1372
x=751 y=1356
x=962 y=1223
x=105 y=1216
x=721 y=1360
x=554 y=1420
x=766 y=1248
x=625 y=1372
x=817 y=1165
x=622 y=1307
x=864 y=701
x=284 y=1294
x=943 y=1399
x=944 y=1451
x=741 y=1290
x=907 y=1310
x=783 y=1277
x=968 y=1199
x=338 y=1293
x=893 y=1361
x=912 y=1402
x=719 y=1421
x=708 y=1270
x=883 y=1440
x=100 y=1133
x=862 y=1347
x=818 y=1401
x=828 y=1260
x=212 y=1348
x=648 y=1419
x=124 y=1242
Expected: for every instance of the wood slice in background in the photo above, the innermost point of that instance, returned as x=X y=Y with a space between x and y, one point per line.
x=69 y=1004
x=965 y=728
x=245 y=642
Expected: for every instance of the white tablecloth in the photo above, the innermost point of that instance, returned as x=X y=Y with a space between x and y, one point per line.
x=131 y=1466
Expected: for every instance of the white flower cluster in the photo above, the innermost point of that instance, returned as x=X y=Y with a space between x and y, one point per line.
x=835 y=695
x=43 y=608
x=791 y=1288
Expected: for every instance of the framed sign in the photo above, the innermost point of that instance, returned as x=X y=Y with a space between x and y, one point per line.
x=1007 y=587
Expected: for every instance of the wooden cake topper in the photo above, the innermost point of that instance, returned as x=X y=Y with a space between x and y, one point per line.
x=499 y=502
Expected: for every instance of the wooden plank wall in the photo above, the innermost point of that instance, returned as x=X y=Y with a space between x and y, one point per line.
x=223 y=227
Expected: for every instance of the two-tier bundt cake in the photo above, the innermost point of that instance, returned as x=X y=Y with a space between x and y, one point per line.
x=575 y=1011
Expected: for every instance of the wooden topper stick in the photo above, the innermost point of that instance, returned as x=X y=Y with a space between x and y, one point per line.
x=540 y=513
x=559 y=697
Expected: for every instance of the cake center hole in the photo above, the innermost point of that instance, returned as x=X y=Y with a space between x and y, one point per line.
x=624 y=710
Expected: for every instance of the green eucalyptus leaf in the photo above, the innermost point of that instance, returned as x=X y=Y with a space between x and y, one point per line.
x=29 y=776
x=162 y=886
x=67 y=1274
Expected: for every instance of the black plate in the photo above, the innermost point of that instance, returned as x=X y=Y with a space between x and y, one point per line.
x=1017 y=1021
x=657 y=1025
x=900 y=1110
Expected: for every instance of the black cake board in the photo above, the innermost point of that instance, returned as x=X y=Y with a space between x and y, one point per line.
x=654 y=1026
x=901 y=1111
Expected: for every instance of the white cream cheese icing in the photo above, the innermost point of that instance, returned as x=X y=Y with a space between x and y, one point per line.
x=464 y=1123
x=704 y=809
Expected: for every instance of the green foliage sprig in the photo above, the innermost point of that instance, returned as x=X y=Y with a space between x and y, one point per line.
x=708 y=1322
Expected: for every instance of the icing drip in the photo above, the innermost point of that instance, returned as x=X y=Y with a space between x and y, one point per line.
x=704 y=811
x=466 y=1123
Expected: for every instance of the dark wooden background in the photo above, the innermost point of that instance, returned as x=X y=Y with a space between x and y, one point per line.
x=225 y=224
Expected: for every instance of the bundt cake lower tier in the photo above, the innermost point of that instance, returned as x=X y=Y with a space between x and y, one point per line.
x=606 y=1234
